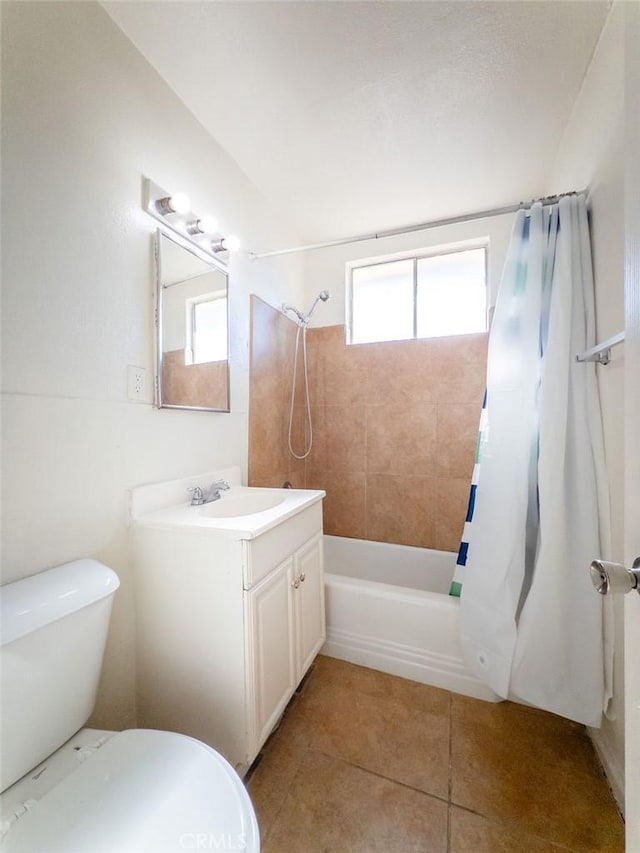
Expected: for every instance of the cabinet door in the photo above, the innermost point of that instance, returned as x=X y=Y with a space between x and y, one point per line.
x=309 y=604
x=271 y=660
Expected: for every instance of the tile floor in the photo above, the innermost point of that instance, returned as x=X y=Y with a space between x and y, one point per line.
x=366 y=762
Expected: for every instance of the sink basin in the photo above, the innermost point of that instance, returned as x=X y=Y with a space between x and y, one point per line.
x=243 y=512
x=235 y=506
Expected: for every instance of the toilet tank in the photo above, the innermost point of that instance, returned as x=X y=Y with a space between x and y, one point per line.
x=52 y=638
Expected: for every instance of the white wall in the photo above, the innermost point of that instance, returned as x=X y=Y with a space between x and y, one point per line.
x=84 y=117
x=592 y=155
x=325 y=268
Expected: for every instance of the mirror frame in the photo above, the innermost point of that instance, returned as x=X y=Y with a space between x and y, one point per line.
x=214 y=264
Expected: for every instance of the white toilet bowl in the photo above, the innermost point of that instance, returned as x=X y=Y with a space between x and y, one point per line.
x=136 y=791
x=139 y=791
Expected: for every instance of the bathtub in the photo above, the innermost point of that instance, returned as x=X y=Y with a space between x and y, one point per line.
x=388 y=608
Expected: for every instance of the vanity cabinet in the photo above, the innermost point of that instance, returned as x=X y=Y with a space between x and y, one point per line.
x=226 y=628
x=286 y=628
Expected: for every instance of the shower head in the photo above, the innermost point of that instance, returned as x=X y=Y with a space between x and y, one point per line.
x=303 y=319
x=321 y=297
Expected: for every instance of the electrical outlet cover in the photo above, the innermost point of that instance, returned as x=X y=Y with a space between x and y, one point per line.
x=136 y=383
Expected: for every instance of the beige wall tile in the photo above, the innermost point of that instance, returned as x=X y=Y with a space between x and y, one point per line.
x=277 y=480
x=401 y=439
x=401 y=509
x=267 y=439
x=297 y=476
x=271 y=351
x=402 y=373
x=452 y=502
x=339 y=438
x=457 y=435
x=344 y=506
x=461 y=369
x=271 y=366
x=337 y=372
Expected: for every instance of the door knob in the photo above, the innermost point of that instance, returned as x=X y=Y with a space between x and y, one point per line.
x=614 y=577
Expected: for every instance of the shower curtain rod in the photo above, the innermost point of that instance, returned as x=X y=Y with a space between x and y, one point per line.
x=422 y=226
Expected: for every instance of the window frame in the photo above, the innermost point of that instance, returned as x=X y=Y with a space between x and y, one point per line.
x=190 y=313
x=415 y=256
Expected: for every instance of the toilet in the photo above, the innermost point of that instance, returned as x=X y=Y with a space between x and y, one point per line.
x=69 y=789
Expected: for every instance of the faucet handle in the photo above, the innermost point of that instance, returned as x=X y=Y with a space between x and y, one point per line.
x=197 y=497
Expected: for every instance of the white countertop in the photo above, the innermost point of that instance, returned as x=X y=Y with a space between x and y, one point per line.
x=287 y=502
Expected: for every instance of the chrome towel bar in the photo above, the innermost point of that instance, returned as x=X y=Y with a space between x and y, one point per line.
x=601 y=353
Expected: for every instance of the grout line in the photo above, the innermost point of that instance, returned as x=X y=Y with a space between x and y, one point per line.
x=515 y=826
x=285 y=794
x=365 y=508
x=285 y=791
x=378 y=775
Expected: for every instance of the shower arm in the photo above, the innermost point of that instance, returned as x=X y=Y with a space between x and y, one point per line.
x=303 y=319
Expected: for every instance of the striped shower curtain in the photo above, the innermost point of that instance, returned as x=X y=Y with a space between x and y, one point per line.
x=461 y=561
x=532 y=627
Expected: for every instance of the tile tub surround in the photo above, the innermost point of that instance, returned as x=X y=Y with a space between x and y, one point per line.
x=395 y=427
x=365 y=761
x=271 y=369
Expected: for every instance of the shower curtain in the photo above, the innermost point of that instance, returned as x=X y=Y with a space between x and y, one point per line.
x=532 y=625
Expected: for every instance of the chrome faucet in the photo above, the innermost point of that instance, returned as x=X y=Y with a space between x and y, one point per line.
x=215 y=488
x=201 y=496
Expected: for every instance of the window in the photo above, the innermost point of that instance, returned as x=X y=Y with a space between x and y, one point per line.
x=419 y=297
x=206 y=329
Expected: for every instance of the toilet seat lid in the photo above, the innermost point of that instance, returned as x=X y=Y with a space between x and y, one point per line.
x=144 y=791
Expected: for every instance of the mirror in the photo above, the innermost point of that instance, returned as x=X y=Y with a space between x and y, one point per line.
x=192 y=329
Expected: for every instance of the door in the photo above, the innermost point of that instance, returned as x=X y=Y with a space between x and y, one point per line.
x=270 y=650
x=632 y=421
x=309 y=604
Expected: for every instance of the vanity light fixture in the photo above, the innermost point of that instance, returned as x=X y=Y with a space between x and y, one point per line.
x=226 y=244
x=174 y=213
x=206 y=225
x=178 y=203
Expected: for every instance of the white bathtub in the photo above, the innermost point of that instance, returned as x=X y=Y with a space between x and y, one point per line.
x=388 y=609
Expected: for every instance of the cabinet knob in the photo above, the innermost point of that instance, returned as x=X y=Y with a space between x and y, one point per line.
x=295 y=583
x=302 y=577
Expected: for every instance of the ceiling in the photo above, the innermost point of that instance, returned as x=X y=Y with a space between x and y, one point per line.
x=354 y=117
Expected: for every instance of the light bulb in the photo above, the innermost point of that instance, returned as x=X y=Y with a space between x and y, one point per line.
x=226 y=244
x=178 y=203
x=207 y=225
